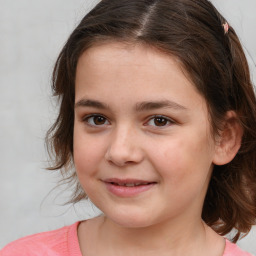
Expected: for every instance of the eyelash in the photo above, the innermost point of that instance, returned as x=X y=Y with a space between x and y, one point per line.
x=167 y=121
x=87 y=118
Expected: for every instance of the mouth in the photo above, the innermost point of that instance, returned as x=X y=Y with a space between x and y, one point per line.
x=128 y=187
x=134 y=184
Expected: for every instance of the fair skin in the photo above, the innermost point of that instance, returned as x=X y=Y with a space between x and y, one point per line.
x=140 y=121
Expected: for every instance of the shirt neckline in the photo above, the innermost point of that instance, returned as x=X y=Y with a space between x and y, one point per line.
x=74 y=247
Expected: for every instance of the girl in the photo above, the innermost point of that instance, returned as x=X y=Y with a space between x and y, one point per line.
x=157 y=117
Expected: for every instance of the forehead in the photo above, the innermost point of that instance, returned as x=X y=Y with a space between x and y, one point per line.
x=128 y=69
x=114 y=57
x=136 y=53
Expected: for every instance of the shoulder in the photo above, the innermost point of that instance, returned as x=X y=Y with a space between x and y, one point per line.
x=51 y=243
x=233 y=250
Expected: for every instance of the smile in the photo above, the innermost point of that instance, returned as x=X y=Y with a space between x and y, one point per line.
x=131 y=184
x=128 y=188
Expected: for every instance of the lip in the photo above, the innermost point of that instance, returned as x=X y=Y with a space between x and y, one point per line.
x=118 y=188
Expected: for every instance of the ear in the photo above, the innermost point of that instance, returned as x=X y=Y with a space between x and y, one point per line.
x=229 y=141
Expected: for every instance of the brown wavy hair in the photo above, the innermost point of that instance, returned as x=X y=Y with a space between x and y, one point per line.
x=191 y=30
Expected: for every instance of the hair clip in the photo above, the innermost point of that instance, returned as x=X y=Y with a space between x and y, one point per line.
x=226 y=27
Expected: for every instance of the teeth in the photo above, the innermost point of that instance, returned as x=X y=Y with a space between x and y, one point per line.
x=130 y=185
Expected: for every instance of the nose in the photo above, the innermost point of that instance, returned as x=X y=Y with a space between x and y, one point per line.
x=124 y=148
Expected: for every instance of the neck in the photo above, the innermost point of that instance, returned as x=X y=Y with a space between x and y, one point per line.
x=101 y=236
x=171 y=237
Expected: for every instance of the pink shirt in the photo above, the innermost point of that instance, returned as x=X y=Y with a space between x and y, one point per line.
x=64 y=242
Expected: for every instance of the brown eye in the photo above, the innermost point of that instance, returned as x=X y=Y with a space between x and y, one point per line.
x=96 y=120
x=160 y=121
x=99 y=120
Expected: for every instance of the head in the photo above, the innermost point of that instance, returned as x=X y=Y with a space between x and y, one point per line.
x=191 y=31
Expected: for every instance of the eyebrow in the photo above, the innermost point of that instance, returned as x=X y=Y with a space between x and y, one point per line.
x=142 y=106
x=148 y=105
x=91 y=103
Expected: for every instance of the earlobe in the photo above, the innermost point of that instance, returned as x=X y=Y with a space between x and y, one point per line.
x=229 y=141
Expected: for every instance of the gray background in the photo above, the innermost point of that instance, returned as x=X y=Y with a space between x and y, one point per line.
x=32 y=33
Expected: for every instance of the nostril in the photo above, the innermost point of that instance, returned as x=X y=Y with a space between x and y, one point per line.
x=122 y=154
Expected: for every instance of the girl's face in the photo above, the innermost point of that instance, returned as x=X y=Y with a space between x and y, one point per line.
x=143 y=151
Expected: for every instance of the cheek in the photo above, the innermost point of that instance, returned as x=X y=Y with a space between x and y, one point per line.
x=87 y=152
x=184 y=159
x=86 y=160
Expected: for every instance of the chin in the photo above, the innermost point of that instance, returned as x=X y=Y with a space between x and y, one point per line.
x=129 y=219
